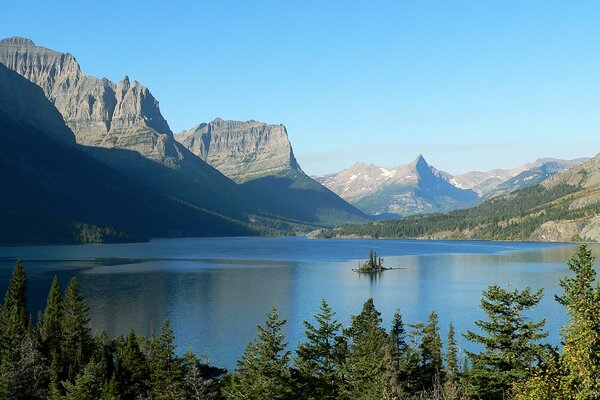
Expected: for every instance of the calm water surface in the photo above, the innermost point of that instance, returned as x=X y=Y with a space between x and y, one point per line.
x=214 y=291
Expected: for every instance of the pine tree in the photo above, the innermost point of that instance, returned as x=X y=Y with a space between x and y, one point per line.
x=92 y=383
x=195 y=385
x=581 y=354
x=431 y=352
x=165 y=367
x=365 y=369
x=31 y=375
x=263 y=369
x=50 y=326
x=509 y=340
x=316 y=359
x=576 y=373
x=396 y=354
x=16 y=295
x=13 y=328
x=132 y=369
x=452 y=354
x=76 y=345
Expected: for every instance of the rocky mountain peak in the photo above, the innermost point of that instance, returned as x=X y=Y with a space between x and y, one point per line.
x=242 y=150
x=16 y=41
x=99 y=112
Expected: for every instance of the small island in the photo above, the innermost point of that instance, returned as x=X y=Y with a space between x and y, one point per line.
x=373 y=265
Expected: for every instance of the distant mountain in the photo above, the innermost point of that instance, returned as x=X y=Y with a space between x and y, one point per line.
x=499 y=181
x=51 y=191
x=260 y=158
x=121 y=125
x=241 y=150
x=564 y=207
x=419 y=188
x=124 y=116
x=413 y=188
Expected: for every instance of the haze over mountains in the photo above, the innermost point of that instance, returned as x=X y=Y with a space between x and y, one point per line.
x=564 y=207
x=96 y=161
x=120 y=124
x=419 y=188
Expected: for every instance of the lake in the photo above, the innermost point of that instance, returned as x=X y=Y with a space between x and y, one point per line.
x=215 y=290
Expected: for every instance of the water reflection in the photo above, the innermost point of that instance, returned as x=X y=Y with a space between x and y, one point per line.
x=215 y=291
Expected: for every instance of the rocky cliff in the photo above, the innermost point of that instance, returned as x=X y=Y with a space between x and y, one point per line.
x=241 y=150
x=100 y=113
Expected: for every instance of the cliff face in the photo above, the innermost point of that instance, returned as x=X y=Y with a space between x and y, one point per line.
x=243 y=151
x=99 y=112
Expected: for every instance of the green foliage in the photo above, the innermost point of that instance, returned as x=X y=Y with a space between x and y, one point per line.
x=452 y=354
x=263 y=369
x=580 y=360
x=316 y=360
x=76 y=344
x=165 y=367
x=50 y=326
x=92 y=383
x=576 y=373
x=431 y=352
x=509 y=217
x=15 y=302
x=509 y=341
x=132 y=369
x=365 y=368
x=375 y=264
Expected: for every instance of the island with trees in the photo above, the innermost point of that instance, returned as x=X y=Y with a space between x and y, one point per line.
x=373 y=266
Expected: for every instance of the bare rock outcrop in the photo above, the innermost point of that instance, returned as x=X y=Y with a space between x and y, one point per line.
x=241 y=150
x=99 y=112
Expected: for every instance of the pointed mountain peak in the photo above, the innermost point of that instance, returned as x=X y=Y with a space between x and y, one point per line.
x=419 y=162
x=126 y=81
x=17 y=41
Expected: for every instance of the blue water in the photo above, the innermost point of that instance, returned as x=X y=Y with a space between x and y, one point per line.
x=214 y=291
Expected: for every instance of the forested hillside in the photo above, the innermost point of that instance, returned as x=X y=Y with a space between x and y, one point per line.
x=564 y=208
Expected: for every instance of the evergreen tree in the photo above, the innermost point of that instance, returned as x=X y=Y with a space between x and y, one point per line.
x=509 y=340
x=195 y=385
x=13 y=327
x=365 y=370
x=576 y=373
x=92 y=383
x=50 y=326
x=165 y=367
x=396 y=356
x=16 y=296
x=132 y=369
x=431 y=352
x=263 y=370
x=316 y=358
x=452 y=354
x=580 y=360
x=31 y=375
x=76 y=345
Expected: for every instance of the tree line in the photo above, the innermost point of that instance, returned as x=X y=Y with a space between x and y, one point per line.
x=60 y=358
x=514 y=216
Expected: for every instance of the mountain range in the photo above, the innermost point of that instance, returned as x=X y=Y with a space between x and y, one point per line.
x=121 y=126
x=84 y=159
x=564 y=207
x=419 y=188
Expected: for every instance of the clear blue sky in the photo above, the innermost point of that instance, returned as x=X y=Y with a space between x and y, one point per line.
x=469 y=84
